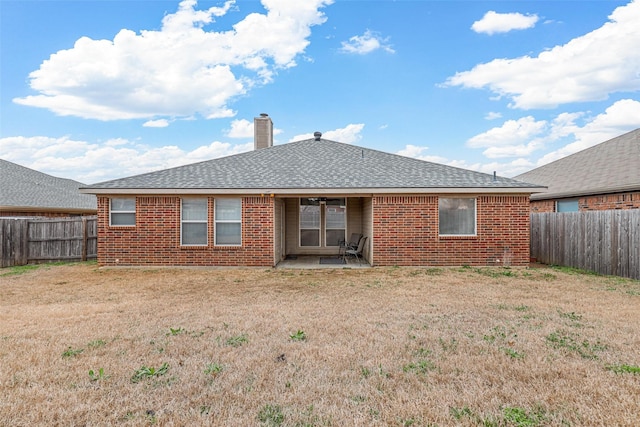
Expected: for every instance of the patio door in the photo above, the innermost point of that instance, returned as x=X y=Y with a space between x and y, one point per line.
x=323 y=221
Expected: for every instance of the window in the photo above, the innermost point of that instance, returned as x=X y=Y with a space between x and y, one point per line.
x=194 y=217
x=567 y=205
x=123 y=211
x=310 y=222
x=228 y=217
x=457 y=216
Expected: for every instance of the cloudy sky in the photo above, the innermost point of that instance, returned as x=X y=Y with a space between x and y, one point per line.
x=102 y=89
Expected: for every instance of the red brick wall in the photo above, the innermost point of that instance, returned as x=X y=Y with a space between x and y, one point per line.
x=594 y=203
x=155 y=239
x=405 y=232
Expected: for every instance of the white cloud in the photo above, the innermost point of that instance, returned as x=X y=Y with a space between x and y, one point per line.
x=492 y=115
x=161 y=123
x=180 y=70
x=587 y=68
x=621 y=117
x=493 y=22
x=368 y=42
x=512 y=132
x=93 y=162
x=241 y=129
x=349 y=134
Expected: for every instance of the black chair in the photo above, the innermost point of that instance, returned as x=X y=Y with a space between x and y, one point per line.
x=357 y=251
x=350 y=244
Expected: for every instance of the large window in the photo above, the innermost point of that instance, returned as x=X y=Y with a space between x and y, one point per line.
x=194 y=220
x=457 y=216
x=122 y=211
x=228 y=218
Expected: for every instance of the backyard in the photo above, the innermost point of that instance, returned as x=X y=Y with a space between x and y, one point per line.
x=82 y=345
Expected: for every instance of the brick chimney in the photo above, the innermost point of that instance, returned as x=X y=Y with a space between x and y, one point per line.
x=262 y=131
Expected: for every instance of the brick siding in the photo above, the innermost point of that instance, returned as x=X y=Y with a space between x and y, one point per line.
x=155 y=239
x=601 y=202
x=405 y=232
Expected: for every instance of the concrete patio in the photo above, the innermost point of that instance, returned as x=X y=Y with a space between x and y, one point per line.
x=313 y=261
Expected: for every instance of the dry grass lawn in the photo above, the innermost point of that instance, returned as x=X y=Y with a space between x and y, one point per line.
x=80 y=345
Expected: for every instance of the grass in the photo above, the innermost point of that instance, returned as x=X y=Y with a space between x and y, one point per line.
x=383 y=347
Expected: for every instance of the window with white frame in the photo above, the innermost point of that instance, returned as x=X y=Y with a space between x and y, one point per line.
x=567 y=205
x=194 y=222
x=228 y=219
x=122 y=211
x=457 y=216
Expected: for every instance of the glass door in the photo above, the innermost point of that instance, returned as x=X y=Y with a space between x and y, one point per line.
x=335 y=219
x=323 y=221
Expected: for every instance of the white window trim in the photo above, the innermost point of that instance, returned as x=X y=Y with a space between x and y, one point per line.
x=475 y=218
x=111 y=212
x=192 y=221
x=226 y=221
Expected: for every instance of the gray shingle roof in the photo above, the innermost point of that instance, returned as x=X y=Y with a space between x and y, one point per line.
x=611 y=166
x=308 y=165
x=28 y=189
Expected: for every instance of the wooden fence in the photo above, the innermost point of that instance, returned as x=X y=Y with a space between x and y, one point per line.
x=37 y=240
x=607 y=242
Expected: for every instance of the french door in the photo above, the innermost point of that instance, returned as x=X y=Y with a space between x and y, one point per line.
x=323 y=221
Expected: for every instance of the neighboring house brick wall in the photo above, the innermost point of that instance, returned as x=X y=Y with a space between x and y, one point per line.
x=600 y=202
x=155 y=240
x=405 y=231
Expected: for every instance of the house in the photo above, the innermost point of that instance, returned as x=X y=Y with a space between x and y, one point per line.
x=605 y=176
x=26 y=192
x=302 y=198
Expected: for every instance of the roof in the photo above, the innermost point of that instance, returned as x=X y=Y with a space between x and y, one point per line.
x=609 y=167
x=25 y=189
x=321 y=166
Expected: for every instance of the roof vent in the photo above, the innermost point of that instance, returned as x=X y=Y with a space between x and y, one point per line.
x=317 y=135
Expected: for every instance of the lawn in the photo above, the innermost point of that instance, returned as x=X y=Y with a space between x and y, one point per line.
x=81 y=345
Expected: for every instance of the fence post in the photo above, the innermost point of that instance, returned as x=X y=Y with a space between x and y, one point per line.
x=84 y=238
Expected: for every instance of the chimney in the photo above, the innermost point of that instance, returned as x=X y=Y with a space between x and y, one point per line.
x=317 y=135
x=262 y=131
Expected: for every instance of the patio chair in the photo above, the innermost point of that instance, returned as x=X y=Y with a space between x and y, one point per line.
x=351 y=243
x=357 y=251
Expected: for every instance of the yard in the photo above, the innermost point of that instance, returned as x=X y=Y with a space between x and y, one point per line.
x=80 y=345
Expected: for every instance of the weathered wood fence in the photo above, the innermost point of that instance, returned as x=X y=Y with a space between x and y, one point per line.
x=34 y=240
x=607 y=242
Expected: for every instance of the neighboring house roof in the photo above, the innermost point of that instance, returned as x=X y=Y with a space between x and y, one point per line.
x=321 y=166
x=25 y=189
x=609 y=167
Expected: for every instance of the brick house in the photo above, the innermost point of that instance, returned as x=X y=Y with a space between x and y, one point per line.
x=25 y=192
x=302 y=198
x=605 y=176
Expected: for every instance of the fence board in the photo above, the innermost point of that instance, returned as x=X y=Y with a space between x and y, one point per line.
x=607 y=242
x=35 y=240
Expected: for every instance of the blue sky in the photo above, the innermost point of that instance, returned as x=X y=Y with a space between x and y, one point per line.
x=102 y=89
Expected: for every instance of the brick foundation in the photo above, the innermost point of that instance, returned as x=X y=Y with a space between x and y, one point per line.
x=406 y=233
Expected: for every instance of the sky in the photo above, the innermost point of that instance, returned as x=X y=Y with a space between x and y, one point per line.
x=103 y=89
